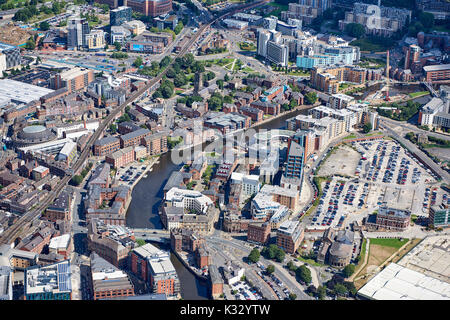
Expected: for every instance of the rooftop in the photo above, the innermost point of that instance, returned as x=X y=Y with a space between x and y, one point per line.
x=400 y=283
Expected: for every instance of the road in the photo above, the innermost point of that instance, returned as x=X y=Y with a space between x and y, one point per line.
x=409 y=127
x=11 y=233
x=245 y=248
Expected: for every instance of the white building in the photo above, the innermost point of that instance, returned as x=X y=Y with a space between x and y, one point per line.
x=250 y=182
x=188 y=200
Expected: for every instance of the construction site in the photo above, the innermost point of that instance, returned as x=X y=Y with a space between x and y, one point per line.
x=14 y=35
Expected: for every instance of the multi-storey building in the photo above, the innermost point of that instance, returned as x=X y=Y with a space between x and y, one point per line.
x=156 y=143
x=328 y=79
x=392 y=219
x=60 y=208
x=151 y=8
x=377 y=20
x=74 y=79
x=306 y=10
x=119 y=16
x=437 y=72
x=95 y=40
x=215 y=281
x=111 y=242
x=106 y=146
x=77 y=30
x=133 y=138
x=161 y=274
x=121 y=157
x=108 y=281
x=289 y=236
x=439 y=216
x=258 y=232
x=189 y=200
x=51 y=282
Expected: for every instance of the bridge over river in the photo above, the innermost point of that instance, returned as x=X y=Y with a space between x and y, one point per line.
x=156 y=235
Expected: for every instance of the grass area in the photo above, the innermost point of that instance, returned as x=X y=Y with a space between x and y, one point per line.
x=247 y=46
x=277 y=11
x=418 y=94
x=362 y=254
x=367 y=44
x=221 y=62
x=442 y=28
x=299 y=73
x=390 y=242
x=247 y=69
x=350 y=136
x=372 y=63
x=376 y=133
x=379 y=251
x=310 y=261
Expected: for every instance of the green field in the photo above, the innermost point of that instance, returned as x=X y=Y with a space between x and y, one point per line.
x=247 y=46
x=277 y=11
x=419 y=93
x=366 y=44
x=390 y=242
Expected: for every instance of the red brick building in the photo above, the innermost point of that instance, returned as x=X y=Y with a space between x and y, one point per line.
x=258 y=232
x=106 y=146
x=121 y=157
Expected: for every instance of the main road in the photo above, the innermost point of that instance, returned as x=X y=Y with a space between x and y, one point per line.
x=14 y=231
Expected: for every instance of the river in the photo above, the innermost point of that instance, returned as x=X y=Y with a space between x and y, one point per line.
x=147 y=196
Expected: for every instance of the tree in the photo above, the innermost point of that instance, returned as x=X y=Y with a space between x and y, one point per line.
x=226 y=77
x=367 y=127
x=426 y=19
x=291 y=266
x=220 y=84
x=311 y=97
x=113 y=128
x=340 y=289
x=270 y=269
x=179 y=80
x=30 y=44
x=292 y=296
x=118 y=45
x=279 y=256
x=355 y=30
x=138 y=62
x=179 y=27
x=349 y=270
x=321 y=292
x=76 y=180
x=44 y=26
x=304 y=274
x=254 y=255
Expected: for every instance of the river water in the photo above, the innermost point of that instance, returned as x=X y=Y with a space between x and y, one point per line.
x=148 y=194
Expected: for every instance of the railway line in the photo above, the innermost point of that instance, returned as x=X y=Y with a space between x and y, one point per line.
x=11 y=234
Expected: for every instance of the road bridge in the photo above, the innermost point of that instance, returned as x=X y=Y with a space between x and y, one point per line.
x=13 y=232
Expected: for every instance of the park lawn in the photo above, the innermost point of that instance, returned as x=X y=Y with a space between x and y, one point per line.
x=299 y=73
x=247 y=46
x=350 y=136
x=379 y=251
x=419 y=93
x=390 y=242
x=366 y=44
x=247 y=69
x=310 y=262
x=277 y=11
x=373 y=133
